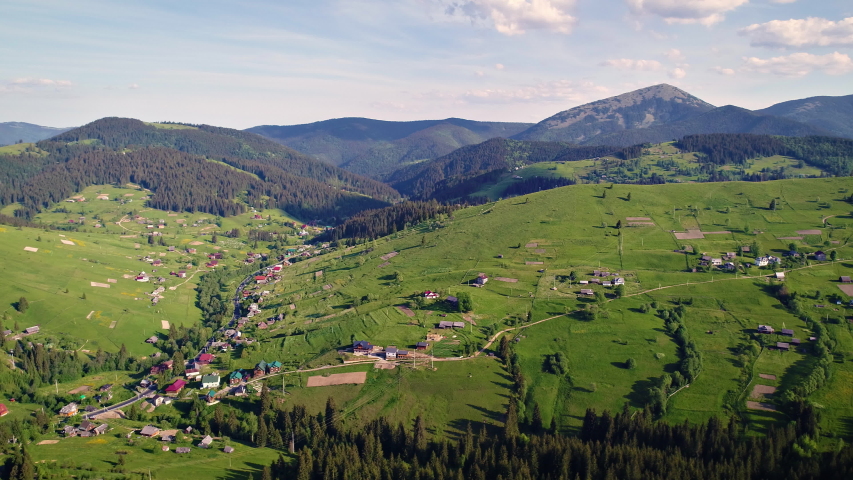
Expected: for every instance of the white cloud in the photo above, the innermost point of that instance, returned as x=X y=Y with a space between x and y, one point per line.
x=499 y=66
x=705 y=12
x=724 y=71
x=560 y=90
x=674 y=55
x=782 y=1
x=133 y=86
x=515 y=17
x=800 y=64
x=809 y=32
x=630 y=64
x=479 y=73
x=677 y=73
x=40 y=82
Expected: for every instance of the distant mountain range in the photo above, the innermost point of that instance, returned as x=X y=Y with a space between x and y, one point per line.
x=14 y=132
x=376 y=147
x=649 y=115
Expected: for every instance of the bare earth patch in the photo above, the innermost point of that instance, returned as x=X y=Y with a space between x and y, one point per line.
x=507 y=280
x=408 y=311
x=384 y=264
x=102 y=285
x=109 y=415
x=767 y=376
x=539 y=250
x=389 y=256
x=80 y=389
x=164 y=324
x=789 y=238
x=641 y=224
x=66 y=242
x=113 y=323
x=767 y=407
x=384 y=365
x=847 y=289
x=690 y=235
x=531 y=245
x=337 y=379
x=196 y=243
x=762 y=391
x=31 y=249
x=127 y=236
x=47 y=442
x=112 y=280
x=534 y=263
x=809 y=232
x=631 y=219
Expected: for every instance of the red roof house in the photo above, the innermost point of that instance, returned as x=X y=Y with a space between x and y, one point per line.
x=3 y=410
x=205 y=358
x=176 y=387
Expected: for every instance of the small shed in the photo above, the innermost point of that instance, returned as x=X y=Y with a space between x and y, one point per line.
x=783 y=346
x=164 y=448
x=149 y=431
x=182 y=450
x=788 y=332
x=228 y=449
x=587 y=291
x=845 y=279
x=205 y=442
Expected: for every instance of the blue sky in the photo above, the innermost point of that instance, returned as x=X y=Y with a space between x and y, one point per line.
x=240 y=64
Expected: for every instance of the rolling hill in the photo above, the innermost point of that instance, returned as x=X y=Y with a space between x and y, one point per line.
x=14 y=132
x=376 y=147
x=187 y=167
x=834 y=114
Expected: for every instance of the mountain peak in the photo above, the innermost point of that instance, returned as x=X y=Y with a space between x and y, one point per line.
x=641 y=108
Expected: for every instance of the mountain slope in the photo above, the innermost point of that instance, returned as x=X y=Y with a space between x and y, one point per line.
x=13 y=132
x=727 y=119
x=452 y=175
x=203 y=168
x=377 y=147
x=834 y=114
x=646 y=107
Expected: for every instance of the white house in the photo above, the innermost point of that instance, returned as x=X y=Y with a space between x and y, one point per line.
x=210 y=381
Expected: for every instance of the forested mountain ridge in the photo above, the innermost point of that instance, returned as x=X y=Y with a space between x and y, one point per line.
x=422 y=181
x=834 y=114
x=200 y=168
x=214 y=142
x=377 y=147
x=655 y=105
x=14 y=132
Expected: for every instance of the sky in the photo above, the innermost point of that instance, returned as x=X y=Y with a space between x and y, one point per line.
x=284 y=62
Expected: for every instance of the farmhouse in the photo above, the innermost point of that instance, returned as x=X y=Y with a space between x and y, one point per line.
x=192 y=372
x=481 y=280
x=783 y=346
x=142 y=277
x=449 y=324
x=261 y=279
x=176 y=386
x=210 y=396
x=182 y=274
x=235 y=377
x=788 y=332
x=716 y=262
x=69 y=410
x=845 y=280
x=239 y=391
x=362 y=346
x=587 y=291
x=210 y=381
x=766 y=260
x=205 y=442
x=820 y=256
x=228 y=449
x=205 y=359
x=430 y=295
x=390 y=352
x=421 y=346
x=149 y=431
x=765 y=329
x=182 y=450
x=619 y=281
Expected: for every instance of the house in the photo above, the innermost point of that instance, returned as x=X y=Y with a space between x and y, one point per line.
x=449 y=324
x=106 y=388
x=235 y=377
x=205 y=442
x=86 y=426
x=845 y=280
x=158 y=400
x=606 y=283
x=587 y=291
x=275 y=366
x=157 y=263
x=584 y=282
x=142 y=277
x=788 y=332
x=152 y=339
x=765 y=329
x=176 y=386
x=421 y=346
x=619 y=281
x=3 y=410
x=191 y=250
x=182 y=450
x=390 y=352
x=716 y=262
x=276 y=269
x=69 y=431
x=481 y=280
x=261 y=368
x=210 y=381
x=205 y=359
x=262 y=326
x=783 y=346
x=149 y=431
x=362 y=346
x=210 y=396
x=430 y=295
x=239 y=391
x=69 y=410
x=228 y=449
x=402 y=354
x=261 y=279
x=766 y=260
x=453 y=301
x=745 y=249
x=211 y=264
x=780 y=275
x=182 y=274
x=164 y=448
x=731 y=255
x=32 y=330
x=820 y=256
x=729 y=266
x=192 y=372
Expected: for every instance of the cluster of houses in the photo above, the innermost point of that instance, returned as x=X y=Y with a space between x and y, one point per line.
x=725 y=262
x=85 y=429
x=599 y=278
x=391 y=352
x=784 y=346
